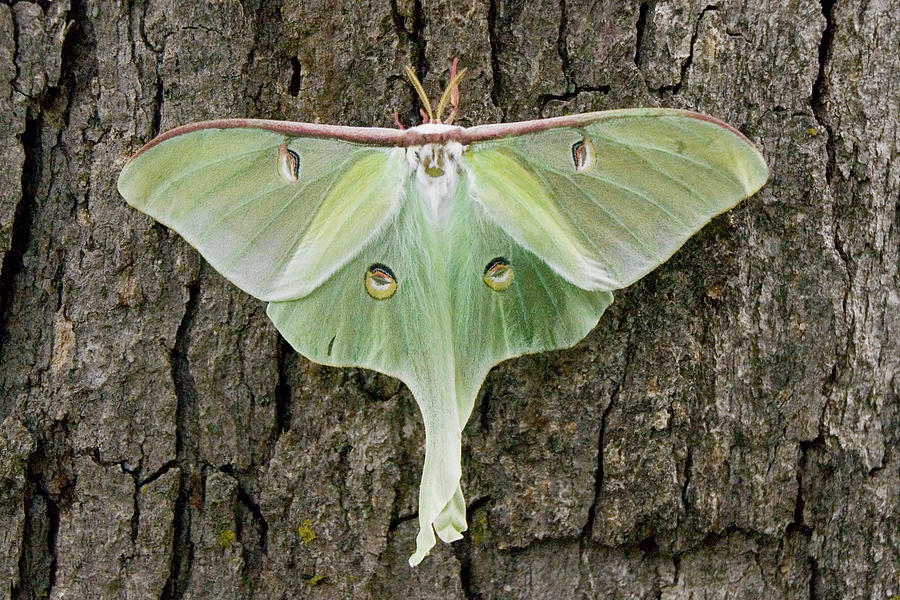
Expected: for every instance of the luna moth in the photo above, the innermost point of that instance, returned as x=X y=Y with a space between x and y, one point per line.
x=433 y=253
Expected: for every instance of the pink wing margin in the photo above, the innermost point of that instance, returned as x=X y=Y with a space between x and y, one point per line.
x=383 y=136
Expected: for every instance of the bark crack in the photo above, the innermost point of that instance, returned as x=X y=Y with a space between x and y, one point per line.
x=156 y=121
x=37 y=560
x=640 y=32
x=562 y=49
x=253 y=551
x=143 y=32
x=283 y=392
x=136 y=504
x=139 y=483
x=414 y=35
x=585 y=539
x=418 y=38
x=546 y=99
x=494 y=41
x=15 y=64
x=798 y=523
x=462 y=549
x=186 y=426
x=818 y=102
x=396 y=521
x=47 y=473
x=688 y=466
x=20 y=237
x=165 y=468
x=814 y=579
x=686 y=65
x=156 y=116
x=819 y=94
x=296 y=77
x=411 y=31
x=598 y=475
x=484 y=406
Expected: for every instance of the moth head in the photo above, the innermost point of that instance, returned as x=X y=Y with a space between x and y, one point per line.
x=433 y=161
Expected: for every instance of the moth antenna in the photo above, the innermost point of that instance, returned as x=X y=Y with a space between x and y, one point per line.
x=421 y=91
x=397 y=120
x=450 y=118
x=445 y=97
x=454 y=95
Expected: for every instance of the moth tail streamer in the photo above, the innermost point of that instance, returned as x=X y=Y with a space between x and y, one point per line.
x=442 y=507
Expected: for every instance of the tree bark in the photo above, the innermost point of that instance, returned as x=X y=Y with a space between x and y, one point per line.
x=729 y=429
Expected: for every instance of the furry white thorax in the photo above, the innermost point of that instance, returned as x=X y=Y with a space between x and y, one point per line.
x=437 y=174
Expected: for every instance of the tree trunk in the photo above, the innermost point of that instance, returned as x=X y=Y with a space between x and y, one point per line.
x=729 y=429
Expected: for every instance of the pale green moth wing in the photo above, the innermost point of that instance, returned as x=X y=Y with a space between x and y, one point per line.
x=442 y=329
x=332 y=226
x=275 y=221
x=609 y=197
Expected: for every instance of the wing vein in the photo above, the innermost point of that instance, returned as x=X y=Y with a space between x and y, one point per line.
x=549 y=293
x=158 y=193
x=603 y=208
x=640 y=195
x=703 y=165
x=600 y=258
x=255 y=197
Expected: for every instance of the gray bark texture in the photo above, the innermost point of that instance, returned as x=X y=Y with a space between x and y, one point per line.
x=729 y=429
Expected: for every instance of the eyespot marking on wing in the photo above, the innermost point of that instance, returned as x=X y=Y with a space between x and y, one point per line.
x=583 y=154
x=380 y=282
x=498 y=274
x=288 y=164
